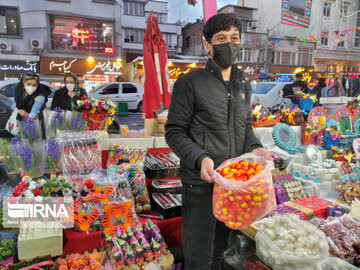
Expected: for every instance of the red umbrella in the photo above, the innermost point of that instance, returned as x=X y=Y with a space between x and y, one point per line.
x=156 y=93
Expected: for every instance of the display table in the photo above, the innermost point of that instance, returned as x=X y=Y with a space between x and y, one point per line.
x=79 y=242
x=265 y=136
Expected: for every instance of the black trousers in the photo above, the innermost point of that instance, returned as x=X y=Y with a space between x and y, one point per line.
x=204 y=237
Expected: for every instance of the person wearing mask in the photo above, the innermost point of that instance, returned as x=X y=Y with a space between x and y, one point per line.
x=209 y=121
x=30 y=97
x=66 y=98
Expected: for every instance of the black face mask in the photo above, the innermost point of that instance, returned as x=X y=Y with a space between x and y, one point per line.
x=226 y=54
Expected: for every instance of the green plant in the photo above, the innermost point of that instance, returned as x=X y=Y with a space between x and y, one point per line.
x=1 y=220
x=45 y=192
x=7 y=249
x=4 y=151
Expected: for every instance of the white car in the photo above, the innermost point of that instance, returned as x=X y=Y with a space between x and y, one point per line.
x=268 y=93
x=7 y=88
x=129 y=92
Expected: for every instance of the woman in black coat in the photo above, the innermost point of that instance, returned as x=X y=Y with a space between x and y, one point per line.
x=66 y=98
x=30 y=97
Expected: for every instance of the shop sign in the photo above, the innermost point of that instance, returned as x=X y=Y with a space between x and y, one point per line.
x=64 y=66
x=19 y=66
x=81 y=33
x=176 y=72
x=107 y=68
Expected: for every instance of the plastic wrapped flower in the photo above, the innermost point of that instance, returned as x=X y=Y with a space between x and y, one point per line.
x=58 y=119
x=29 y=129
x=77 y=123
x=53 y=155
x=24 y=157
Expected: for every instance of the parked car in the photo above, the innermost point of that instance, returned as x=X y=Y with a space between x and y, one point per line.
x=5 y=112
x=129 y=92
x=268 y=93
x=7 y=88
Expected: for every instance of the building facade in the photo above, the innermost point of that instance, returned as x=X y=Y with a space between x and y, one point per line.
x=334 y=51
x=92 y=38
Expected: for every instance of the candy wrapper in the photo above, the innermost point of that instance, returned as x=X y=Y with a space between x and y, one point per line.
x=139 y=190
x=286 y=242
x=80 y=152
x=238 y=203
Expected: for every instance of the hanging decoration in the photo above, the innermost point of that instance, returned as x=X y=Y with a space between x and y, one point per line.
x=296 y=12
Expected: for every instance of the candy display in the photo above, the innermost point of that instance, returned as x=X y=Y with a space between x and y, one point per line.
x=80 y=153
x=86 y=261
x=261 y=117
x=169 y=205
x=286 y=242
x=342 y=234
x=243 y=191
x=318 y=205
x=138 y=247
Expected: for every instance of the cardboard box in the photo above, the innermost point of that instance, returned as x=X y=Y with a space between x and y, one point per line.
x=40 y=241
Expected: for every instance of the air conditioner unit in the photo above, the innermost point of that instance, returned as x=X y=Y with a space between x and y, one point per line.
x=36 y=44
x=253 y=25
x=5 y=47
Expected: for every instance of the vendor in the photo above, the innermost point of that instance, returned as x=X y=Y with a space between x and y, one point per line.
x=30 y=97
x=66 y=98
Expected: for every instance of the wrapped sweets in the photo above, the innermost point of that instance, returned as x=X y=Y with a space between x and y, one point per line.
x=243 y=191
x=286 y=242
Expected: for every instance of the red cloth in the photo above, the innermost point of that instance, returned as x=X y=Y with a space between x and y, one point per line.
x=79 y=242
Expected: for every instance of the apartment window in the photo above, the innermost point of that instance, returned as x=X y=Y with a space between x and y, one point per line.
x=324 y=41
x=343 y=12
x=105 y=1
x=59 y=0
x=245 y=55
x=133 y=35
x=9 y=22
x=293 y=58
x=285 y=58
x=357 y=41
x=341 y=44
x=73 y=34
x=133 y=8
x=327 y=8
x=306 y=56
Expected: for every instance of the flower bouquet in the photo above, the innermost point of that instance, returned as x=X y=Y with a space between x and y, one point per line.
x=55 y=120
x=27 y=159
x=53 y=155
x=99 y=114
x=30 y=130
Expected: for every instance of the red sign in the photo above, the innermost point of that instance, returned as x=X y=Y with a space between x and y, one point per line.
x=109 y=50
x=95 y=78
x=81 y=33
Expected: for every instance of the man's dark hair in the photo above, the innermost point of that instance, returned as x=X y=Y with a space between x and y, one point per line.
x=220 y=22
x=298 y=75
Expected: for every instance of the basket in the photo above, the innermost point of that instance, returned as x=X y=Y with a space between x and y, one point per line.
x=306 y=104
x=266 y=123
x=292 y=118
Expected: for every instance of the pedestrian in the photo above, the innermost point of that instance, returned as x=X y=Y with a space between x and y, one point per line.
x=209 y=121
x=292 y=89
x=317 y=89
x=66 y=98
x=30 y=97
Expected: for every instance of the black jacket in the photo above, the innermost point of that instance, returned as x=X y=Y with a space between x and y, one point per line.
x=206 y=118
x=26 y=103
x=63 y=100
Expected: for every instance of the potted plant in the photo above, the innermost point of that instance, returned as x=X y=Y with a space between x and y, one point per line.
x=12 y=170
x=52 y=156
x=7 y=251
x=6 y=233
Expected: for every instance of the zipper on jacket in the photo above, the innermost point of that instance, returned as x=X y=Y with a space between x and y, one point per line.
x=229 y=97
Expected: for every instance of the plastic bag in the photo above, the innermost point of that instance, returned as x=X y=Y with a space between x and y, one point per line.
x=30 y=130
x=28 y=159
x=139 y=190
x=53 y=155
x=286 y=242
x=12 y=124
x=238 y=203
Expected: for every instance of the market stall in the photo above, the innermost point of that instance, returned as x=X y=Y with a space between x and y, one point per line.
x=124 y=192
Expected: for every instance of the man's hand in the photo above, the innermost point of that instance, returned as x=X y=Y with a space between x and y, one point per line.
x=23 y=113
x=71 y=94
x=207 y=170
x=262 y=152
